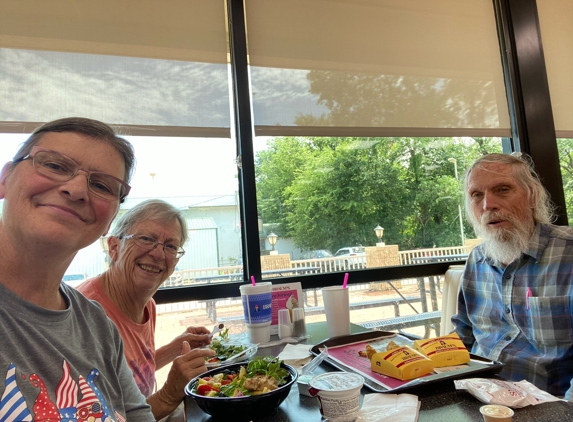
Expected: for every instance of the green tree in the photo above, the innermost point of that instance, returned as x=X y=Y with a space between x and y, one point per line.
x=334 y=191
x=566 y=162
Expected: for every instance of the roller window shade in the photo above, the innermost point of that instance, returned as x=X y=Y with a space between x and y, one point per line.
x=555 y=17
x=376 y=68
x=157 y=68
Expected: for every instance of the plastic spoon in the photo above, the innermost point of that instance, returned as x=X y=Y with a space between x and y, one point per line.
x=216 y=329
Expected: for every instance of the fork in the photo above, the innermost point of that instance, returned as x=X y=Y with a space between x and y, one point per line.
x=216 y=329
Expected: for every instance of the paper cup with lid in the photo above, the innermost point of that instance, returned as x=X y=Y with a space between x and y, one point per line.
x=338 y=394
x=257 y=308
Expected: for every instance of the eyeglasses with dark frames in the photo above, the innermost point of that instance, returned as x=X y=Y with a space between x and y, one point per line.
x=58 y=167
x=149 y=243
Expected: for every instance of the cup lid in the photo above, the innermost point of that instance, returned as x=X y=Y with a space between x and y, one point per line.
x=496 y=410
x=337 y=381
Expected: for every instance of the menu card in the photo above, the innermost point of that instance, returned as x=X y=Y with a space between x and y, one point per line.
x=289 y=296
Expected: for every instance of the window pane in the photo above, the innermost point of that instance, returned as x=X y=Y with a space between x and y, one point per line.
x=159 y=70
x=197 y=176
x=330 y=194
x=565 y=146
x=555 y=18
x=388 y=67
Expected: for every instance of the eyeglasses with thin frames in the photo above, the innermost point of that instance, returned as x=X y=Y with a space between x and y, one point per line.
x=58 y=167
x=149 y=243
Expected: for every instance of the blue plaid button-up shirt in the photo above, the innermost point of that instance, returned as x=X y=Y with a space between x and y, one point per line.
x=522 y=315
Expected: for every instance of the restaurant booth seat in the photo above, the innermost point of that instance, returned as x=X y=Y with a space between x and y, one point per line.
x=452 y=281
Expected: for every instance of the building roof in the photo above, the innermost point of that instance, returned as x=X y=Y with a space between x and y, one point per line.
x=186 y=202
x=201 y=224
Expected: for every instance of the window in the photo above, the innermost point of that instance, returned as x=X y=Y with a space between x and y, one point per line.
x=365 y=114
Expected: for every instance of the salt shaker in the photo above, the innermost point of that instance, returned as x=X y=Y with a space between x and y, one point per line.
x=285 y=326
x=299 y=326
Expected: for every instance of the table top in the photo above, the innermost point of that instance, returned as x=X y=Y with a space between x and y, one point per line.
x=439 y=403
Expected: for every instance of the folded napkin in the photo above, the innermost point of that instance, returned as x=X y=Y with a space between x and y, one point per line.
x=296 y=355
x=389 y=408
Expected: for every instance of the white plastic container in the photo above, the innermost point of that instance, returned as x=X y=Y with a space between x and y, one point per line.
x=496 y=413
x=338 y=394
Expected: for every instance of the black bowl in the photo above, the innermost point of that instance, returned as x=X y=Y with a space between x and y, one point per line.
x=241 y=408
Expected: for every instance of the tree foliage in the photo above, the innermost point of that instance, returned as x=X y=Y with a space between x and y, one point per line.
x=566 y=161
x=326 y=193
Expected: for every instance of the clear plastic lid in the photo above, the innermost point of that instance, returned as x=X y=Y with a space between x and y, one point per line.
x=337 y=381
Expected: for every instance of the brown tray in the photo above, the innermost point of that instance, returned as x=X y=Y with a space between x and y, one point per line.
x=477 y=367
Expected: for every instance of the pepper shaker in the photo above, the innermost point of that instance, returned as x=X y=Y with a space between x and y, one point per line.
x=299 y=326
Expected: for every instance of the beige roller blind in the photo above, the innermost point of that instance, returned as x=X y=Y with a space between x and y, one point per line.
x=376 y=68
x=555 y=21
x=156 y=67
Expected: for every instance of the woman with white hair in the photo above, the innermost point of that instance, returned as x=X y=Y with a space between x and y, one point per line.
x=144 y=248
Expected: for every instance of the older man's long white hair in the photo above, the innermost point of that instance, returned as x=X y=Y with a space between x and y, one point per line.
x=506 y=246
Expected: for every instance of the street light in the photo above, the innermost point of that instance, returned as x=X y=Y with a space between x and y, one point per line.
x=260 y=224
x=379 y=233
x=453 y=160
x=272 y=240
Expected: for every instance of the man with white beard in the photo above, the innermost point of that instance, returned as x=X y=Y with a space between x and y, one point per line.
x=516 y=298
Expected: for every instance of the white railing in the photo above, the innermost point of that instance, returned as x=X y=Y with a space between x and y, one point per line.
x=317 y=265
x=449 y=253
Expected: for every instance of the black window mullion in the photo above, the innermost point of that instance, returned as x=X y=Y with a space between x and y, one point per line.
x=528 y=93
x=244 y=134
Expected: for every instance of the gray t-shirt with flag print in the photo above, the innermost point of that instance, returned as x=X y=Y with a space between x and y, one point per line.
x=64 y=365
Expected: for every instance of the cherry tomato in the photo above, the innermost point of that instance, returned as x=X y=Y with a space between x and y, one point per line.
x=203 y=389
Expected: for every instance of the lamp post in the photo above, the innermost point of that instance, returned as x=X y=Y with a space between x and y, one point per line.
x=273 y=241
x=262 y=245
x=453 y=160
x=379 y=233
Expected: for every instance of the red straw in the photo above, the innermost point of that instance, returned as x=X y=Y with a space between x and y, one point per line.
x=345 y=281
x=253 y=280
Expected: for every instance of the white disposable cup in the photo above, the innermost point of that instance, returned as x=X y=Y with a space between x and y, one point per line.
x=338 y=394
x=496 y=413
x=337 y=310
x=257 y=308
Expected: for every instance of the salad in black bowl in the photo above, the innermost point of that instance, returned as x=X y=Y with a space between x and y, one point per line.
x=243 y=391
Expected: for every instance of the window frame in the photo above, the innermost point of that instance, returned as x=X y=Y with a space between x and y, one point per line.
x=532 y=124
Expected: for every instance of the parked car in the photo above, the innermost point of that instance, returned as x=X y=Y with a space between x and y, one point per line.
x=356 y=257
x=74 y=280
x=319 y=253
x=325 y=265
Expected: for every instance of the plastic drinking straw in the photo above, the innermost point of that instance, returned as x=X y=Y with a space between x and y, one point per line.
x=345 y=281
x=253 y=280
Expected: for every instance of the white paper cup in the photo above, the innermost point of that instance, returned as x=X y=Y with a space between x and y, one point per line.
x=338 y=394
x=496 y=413
x=257 y=309
x=337 y=310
